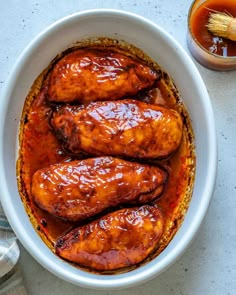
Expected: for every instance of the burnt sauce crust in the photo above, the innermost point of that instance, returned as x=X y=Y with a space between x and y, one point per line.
x=170 y=99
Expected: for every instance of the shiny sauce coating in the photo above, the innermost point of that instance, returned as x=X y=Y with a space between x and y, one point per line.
x=88 y=75
x=81 y=189
x=40 y=148
x=119 y=239
x=126 y=127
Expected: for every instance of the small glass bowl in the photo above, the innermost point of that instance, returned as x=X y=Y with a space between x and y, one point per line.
x=201 y=54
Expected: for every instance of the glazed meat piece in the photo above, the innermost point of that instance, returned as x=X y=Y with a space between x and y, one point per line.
x=86 y=75
x=121 y=128
x=119 y=239
x=80 y=189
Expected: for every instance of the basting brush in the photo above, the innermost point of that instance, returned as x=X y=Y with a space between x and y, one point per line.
x=223 y=25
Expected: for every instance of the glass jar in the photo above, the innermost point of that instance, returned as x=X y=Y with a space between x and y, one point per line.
x=202 y=44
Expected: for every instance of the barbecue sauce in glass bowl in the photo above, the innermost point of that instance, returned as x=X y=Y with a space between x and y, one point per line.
x=211 y=51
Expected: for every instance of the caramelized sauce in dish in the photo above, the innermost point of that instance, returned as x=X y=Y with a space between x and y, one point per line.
x=40 y=147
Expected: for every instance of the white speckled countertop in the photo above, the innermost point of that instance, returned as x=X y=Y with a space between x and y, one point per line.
x=209 y=264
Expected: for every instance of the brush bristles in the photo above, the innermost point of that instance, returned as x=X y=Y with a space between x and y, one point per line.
x=218 y=24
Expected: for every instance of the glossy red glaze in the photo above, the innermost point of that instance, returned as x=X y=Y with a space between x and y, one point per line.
x=81 y=189
x=121 y=128
x=119 y=239
x=89 y=75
